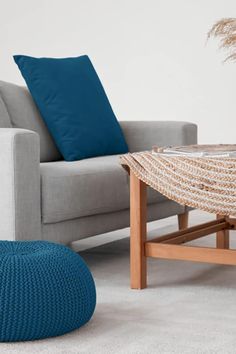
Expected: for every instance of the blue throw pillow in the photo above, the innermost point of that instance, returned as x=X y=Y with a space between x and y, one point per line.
x=74 y=106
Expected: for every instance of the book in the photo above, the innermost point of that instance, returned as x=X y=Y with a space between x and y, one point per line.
x=211 y=150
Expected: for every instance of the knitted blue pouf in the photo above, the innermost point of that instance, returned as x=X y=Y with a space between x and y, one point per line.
x=45 y=290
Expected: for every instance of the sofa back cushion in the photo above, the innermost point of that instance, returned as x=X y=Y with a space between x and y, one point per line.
x=4 y=117
x=17 y=109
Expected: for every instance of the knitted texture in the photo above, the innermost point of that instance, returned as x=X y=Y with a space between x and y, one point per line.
x=45 y=290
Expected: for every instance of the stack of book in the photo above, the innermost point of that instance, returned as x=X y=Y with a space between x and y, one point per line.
x=220 y=150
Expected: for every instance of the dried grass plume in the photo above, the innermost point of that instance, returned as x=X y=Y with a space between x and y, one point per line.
x=225 y=30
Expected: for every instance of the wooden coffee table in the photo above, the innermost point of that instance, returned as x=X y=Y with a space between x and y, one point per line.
x=171 y=246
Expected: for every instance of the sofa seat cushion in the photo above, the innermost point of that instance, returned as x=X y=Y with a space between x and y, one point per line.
x=86 y=187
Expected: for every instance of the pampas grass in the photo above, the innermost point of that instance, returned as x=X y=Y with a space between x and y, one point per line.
x=225 y=30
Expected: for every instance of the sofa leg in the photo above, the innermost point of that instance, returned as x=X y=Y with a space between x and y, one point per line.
x=183 y=220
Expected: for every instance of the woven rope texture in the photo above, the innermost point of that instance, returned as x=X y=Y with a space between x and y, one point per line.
x=205 y=183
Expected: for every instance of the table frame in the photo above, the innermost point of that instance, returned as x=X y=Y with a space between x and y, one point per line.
x=170 y=246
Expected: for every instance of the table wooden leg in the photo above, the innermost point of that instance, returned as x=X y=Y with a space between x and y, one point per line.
x=138 y=233
x=222 y=237
x=183 y=220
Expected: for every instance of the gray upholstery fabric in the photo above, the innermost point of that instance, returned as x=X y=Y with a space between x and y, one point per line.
x=4 y=117
x=72 y=230
x=75 y=199
x=87 y=187
x=19 y=185
x=143 y=135
x=24 y=114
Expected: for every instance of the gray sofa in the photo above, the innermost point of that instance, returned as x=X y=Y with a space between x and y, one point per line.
x=44 y=197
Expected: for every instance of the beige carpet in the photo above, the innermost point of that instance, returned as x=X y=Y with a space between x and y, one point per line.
x=188 y=307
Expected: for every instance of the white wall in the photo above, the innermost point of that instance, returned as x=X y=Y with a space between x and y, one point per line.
x=151 y=55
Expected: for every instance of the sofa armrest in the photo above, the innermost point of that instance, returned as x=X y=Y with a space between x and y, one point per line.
x=141 y=135
x=20 y=216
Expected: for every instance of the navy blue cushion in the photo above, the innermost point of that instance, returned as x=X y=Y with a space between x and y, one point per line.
x=74 y=106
